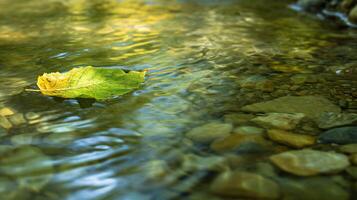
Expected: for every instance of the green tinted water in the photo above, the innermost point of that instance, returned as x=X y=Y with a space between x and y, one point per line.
x=202 y=57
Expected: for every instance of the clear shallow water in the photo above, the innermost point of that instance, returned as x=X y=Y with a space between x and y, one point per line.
x=198 y=54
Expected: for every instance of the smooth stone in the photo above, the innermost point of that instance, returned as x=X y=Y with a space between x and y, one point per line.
x=248 y=130
x=310 y=162
x=312 y=188
x=5 y=123
x=352 y=16
x=237 y=118
x=245 y=184
x=284 y=121
x=311 y=106
x=291 y=139
x=194 y=163
x=155 y=169
x=32 y=116
x=17 y=119
x=6 y=112
x=331 y=120
x=349 y=148
x=237 y=141
x=342 y=135
x=209 y=132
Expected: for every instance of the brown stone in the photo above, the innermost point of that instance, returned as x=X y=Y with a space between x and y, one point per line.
x=235 y=140
x=245 y=184
x=291 y=139
x=310 y=162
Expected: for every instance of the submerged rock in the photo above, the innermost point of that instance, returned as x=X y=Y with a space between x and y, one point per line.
x=237 y=141
x=17 y=119
x=352 y=16
x=248 y=130
x=343 y=135
x=194 y=163
x=310 y=162
x=6 y=111
x=257 y=82
x=5 y=123
x=245 y=184
x=279 y=120
x=155 y=169
x=291 y=139
x=349 y=148
x=330 y=120
x=209 y=132
x=311 y=106
x=312 y=188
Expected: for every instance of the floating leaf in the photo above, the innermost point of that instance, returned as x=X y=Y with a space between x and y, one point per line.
x=89 y=82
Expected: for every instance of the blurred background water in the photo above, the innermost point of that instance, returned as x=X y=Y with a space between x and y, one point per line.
x=202 y=56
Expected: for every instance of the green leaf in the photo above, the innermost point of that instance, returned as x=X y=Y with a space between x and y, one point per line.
x=90 y=82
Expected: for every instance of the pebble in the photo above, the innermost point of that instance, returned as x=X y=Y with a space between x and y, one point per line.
x=32 y=115
x=279 y=120
x=236 y=141
x=209 y=132
x=194 y=163
x=312 y=188
x=291 y=139
x=349 y=148
x=17 y=119
x=155 y=169
x=248 y=130
x=310 y=162
x=352 y=16
x=257 y=82
x=342 y=135
x=311 y=106
x=245 y=184
x=6 y=111
x=331 y=120
x=5 y=123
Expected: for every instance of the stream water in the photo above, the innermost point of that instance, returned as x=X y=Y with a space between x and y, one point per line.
x=204 y=59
